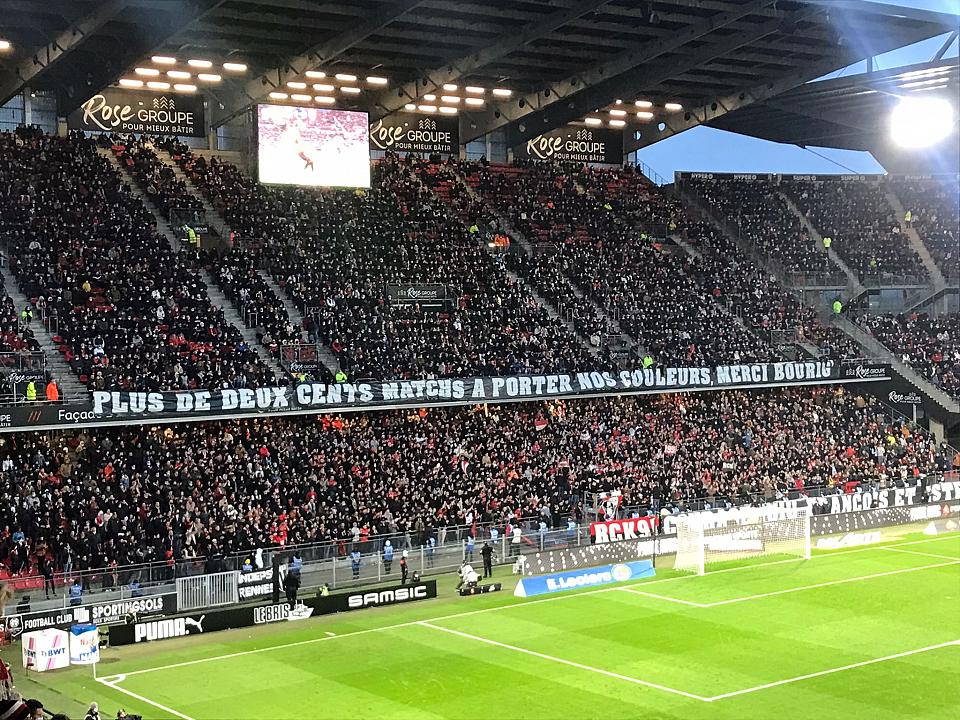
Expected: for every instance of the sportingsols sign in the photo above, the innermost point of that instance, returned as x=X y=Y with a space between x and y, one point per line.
x=629 y=529
x=97 y=613
x=126 y=111
x=405 y=132
x=587 y=577
x=575 y=144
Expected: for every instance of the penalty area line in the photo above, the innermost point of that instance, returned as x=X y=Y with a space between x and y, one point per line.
x=831 y=671
x=562 y=661
x=112 y=682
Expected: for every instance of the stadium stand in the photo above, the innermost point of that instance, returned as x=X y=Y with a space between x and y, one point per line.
x=159 y=493
x=131 y=313
x=932 y=202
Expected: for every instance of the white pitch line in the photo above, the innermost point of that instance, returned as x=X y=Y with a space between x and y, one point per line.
x=828 y=584
x=663 y=597
x=821 y=673
x=924 y=554
x=527 y=603
x=141 y=698
x=562 y=661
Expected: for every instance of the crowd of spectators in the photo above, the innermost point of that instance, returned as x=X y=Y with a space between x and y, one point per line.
x=929 y=344
x=89 y=498
x=934 y=207
x=129 y=312
x=862 y=227
x=335 y=252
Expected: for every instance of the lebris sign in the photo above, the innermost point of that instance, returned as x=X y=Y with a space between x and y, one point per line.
x=306 y=396
x=405 y=132
x=575 y=144
x=126 y=111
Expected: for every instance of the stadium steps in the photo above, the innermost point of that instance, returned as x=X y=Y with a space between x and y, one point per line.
x=854 y=287
x=212 y=216
x=70 y=385
x=916 y=242
x=524 y=243
x=325 y=354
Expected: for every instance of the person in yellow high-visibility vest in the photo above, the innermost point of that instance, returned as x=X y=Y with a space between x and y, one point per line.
x=341 y=376
x=193 y=237
x=908 y=217
x=827 y=242
x=31 y=391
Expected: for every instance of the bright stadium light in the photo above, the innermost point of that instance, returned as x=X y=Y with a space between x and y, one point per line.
x=593 y=121
x=149 y=72
x=643 y=104
x=234 y=67
x=323 y=87
x=315 y=74
x=427 y=108
x=409 y=106
x=164 y=60
x=325 y=99
x=673 y=107
x=345 y=77
x=209 y=77
x=185 y=87
x=617 y=123
x=4 y=44
x=157 y=85
x=205 y=64
x=450 y=87
x=921 y=122
x=450 y=99
x=350 y=90
x=376 y=80
x=644 y=115
x=278 y=95
x=297 y=85
x=618 y=113
x=131 y=82
x=178 y=75
x=473 y=101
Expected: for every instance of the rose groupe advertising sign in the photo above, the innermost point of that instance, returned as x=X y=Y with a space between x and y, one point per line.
x=125 y=111
x=575 y=144
x=405 y=132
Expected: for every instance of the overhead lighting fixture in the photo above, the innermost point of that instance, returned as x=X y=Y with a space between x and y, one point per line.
x=164 y=60
x=643 y=104
x=157 y=85
x=933 y=87
x=200 y=64
x=315 y=74
x=921 y=121
x=617 y=123
x=451 y=99
x=473 y=101
x=431 y=97
x=474 y=90
x=209 y=77
x=673 y=107
x=502 y=92
x=4 y=44
x=376 y=80
x=278 y=95
x=345 y=77
x=593 y=121
x=300 y=97
x=297 y=85
x=130 y=82
x=350 y=90
x=644 y=115
x=185 y=87
x=321 y=87
x=427 y=108
x=235 y=67
x=921 y=83
x=148 y=72
x=450 y=87
x=448 y=110
x=618 y=113
x=325 y=99
x=178 y=74
x=618 y=101
x=409 y=106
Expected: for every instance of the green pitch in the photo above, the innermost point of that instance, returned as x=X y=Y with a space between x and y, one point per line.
x=869 y=633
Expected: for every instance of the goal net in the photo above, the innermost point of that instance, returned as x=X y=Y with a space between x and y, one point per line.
x=707 y=538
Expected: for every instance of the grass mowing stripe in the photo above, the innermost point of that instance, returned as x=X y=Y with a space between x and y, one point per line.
x=844 y=581
x=141 y=698
x=691 y=603
x=924 y=554
x=831 y=671
x=562 y=661
x=527 y=603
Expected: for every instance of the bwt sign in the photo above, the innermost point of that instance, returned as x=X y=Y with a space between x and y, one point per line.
x=617 y=530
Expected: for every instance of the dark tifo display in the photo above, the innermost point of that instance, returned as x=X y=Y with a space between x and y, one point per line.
x=573 y=143
x=201 y=622
x=405 y=132
x=129 y=111
x=131 y=407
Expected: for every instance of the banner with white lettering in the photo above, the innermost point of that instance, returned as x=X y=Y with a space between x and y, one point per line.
x=573 y=143
x=131 y=111
x=406 y=132
x=774 y=177
x=129 y=406
x=627 y=529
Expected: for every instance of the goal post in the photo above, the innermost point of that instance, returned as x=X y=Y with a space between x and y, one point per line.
x=707 y=538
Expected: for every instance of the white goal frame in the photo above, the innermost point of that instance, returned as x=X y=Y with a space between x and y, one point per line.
x=708 y=537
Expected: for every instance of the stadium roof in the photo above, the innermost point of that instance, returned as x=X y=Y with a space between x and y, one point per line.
x=561 y=59
x=847 y=112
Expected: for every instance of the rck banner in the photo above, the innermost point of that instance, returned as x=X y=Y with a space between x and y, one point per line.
x=405 y=132
x=627 y=529
x=126 y=406
x=575 y=144
x=130 y=111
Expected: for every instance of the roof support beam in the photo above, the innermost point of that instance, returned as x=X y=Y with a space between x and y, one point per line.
x=723 y=105
x=573 y=98
x=320 y=54
x=390 y=101
x=45 y=57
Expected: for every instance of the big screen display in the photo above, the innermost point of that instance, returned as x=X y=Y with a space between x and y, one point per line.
x=313 y=146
